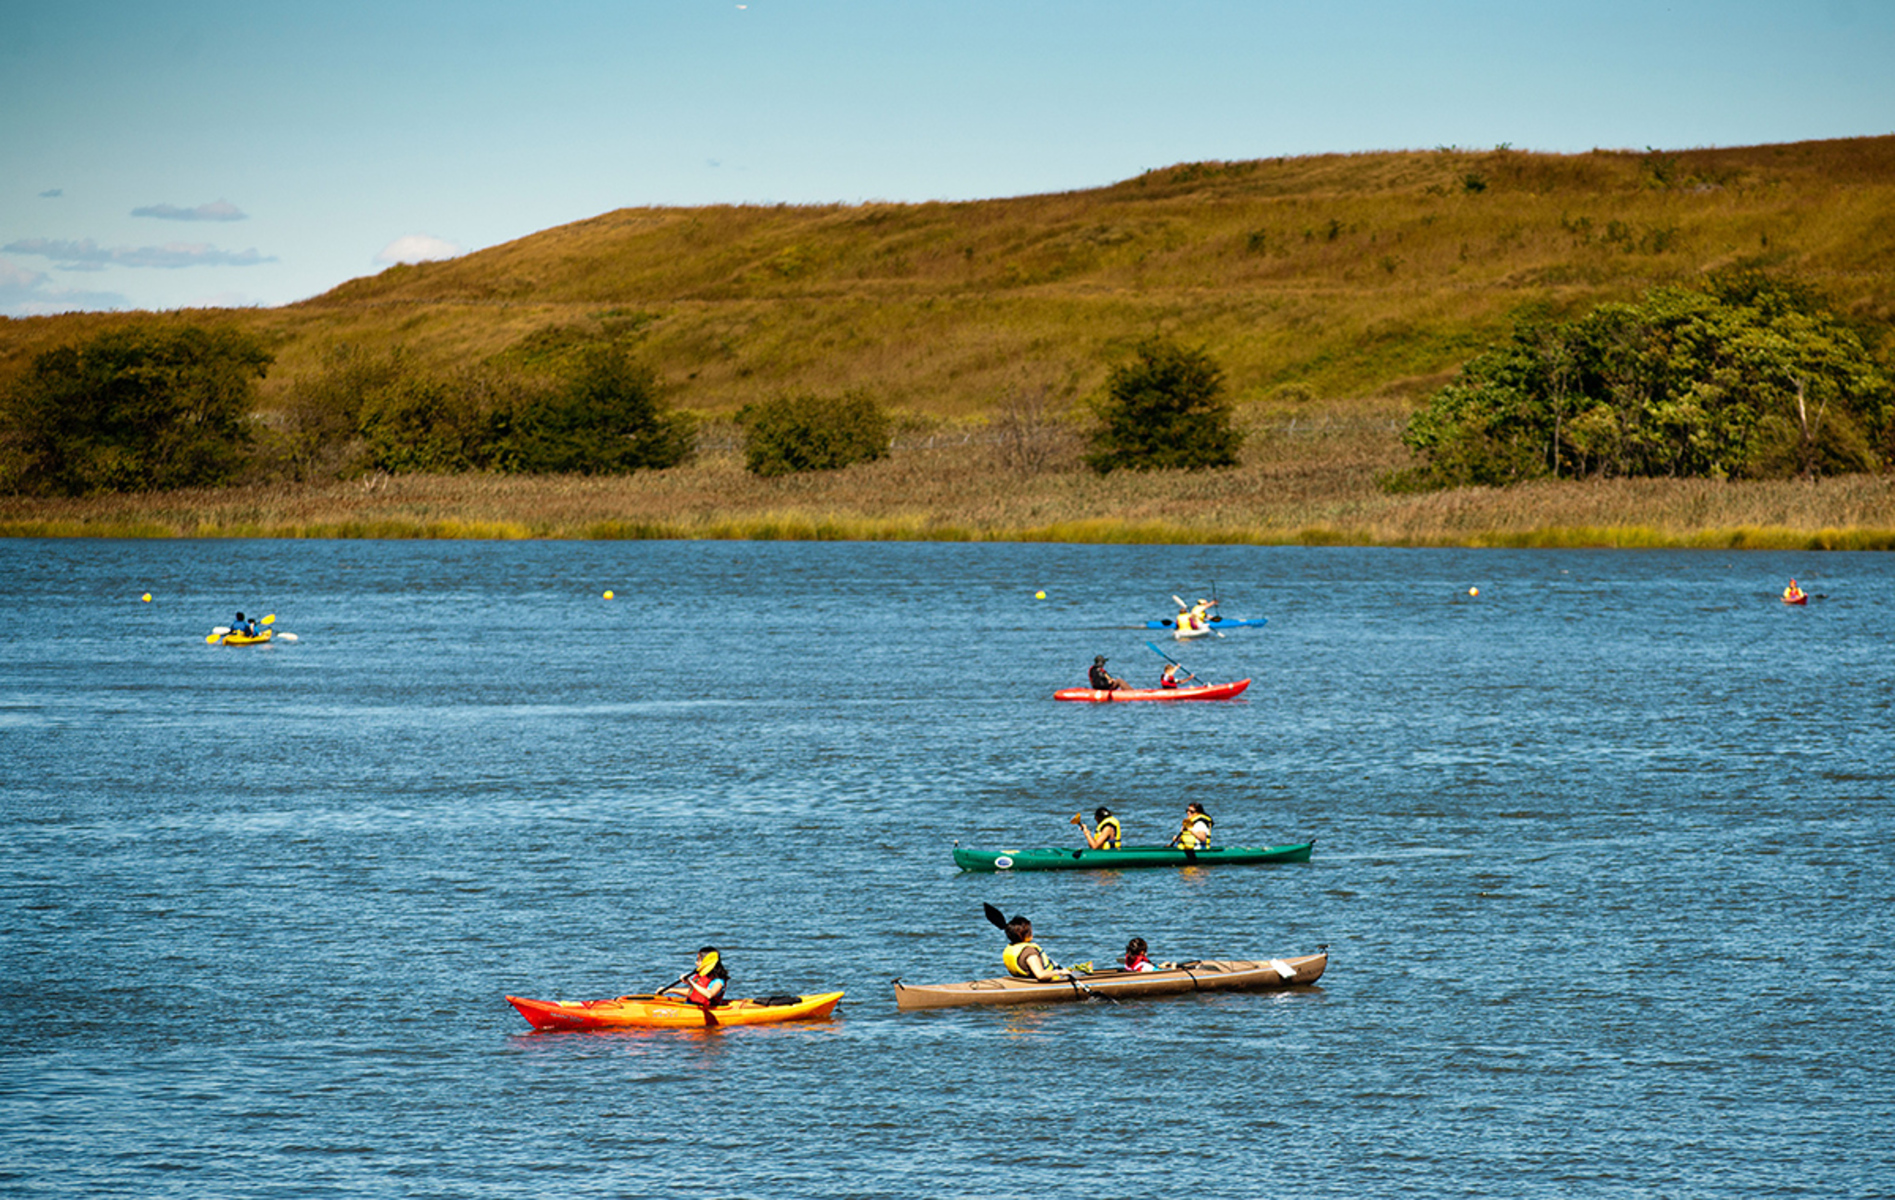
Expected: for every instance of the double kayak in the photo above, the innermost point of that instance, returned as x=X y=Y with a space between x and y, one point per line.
x=670 y=1012
x=1208 y=975
x=261 y=637
x=1212 y=691
x=1214 y=622
x=1059 y=858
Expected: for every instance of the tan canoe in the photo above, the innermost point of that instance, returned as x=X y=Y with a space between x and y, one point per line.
x=1208 y=975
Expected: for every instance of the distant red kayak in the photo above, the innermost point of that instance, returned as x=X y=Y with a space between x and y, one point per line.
x=1214 y=691
x=1796 y=598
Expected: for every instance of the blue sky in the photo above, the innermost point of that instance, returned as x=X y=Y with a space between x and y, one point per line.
x=158 y=155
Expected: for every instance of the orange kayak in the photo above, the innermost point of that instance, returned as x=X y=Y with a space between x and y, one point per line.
x=669 y=1012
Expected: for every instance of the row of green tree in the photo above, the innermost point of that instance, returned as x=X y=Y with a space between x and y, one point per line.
x=162 y=403
x=1747 y=378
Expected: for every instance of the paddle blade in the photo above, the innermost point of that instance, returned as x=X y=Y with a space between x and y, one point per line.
x=211 y=639
x=285 y=637
x=995 y=917
x=270 y=620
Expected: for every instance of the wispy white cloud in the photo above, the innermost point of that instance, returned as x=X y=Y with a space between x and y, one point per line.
x=417 y=247
x=216 y=210
x=87 y=255
x=27 y=293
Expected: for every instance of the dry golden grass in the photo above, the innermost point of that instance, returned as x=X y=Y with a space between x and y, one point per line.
x=1310 y=483
x=1371 y=274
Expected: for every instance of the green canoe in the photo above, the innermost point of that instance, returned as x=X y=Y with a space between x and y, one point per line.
x=1059 y=858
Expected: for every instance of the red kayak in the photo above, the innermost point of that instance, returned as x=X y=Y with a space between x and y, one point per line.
x=1212 y=691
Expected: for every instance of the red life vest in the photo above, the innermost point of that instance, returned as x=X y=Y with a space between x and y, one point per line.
x=706 y=991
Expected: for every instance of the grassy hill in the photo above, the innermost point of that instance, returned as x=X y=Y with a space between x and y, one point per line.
x=1334 y=289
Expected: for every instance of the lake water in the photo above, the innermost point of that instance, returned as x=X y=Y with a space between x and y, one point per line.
x=1603 y=863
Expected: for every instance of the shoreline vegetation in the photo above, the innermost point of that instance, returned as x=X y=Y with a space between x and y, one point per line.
x=1311 y=485
x=1337 y=293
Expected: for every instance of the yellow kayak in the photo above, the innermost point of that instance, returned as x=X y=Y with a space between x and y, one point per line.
x=670 y=1012
x=245 y=639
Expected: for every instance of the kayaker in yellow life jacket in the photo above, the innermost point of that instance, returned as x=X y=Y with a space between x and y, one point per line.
x=1196 y=831
x=1108 y=836
x=1023 y=956
x=705 y=983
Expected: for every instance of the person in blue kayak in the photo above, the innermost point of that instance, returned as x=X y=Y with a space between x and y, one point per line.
x=1024 y=958
x=704 y=985
x=1108 y=836
x=1102 y=679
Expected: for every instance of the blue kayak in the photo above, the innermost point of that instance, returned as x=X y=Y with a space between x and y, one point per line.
x=1215 y=623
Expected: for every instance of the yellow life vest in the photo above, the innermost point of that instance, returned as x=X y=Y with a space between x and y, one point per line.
x=1187 y=840
x=1012 y=956
x=1112 y=841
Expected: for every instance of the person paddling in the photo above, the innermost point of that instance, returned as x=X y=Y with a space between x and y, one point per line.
x=1025 y=959
x=1196 y=831
x=1100 y=678
x=704 y=985
x=1108 y=837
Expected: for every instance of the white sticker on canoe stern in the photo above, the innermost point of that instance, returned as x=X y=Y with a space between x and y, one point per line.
x=1002 y=863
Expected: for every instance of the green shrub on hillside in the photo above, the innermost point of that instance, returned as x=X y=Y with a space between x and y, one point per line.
x=1165 y=410
x=1747 y=379
x=149 y=406
x=418 y=424
x=314 y=433
x=607 y=418
x=812 y=433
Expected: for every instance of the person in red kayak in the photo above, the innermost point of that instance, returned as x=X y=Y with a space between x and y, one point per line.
x=1100 y=678
x=1170 y=677
x=705 y=983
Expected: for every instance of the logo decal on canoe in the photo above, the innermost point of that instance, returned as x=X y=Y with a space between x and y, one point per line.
x=1003 y=862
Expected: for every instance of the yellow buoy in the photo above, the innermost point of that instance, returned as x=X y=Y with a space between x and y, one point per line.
x=608 y=595
x=1039 y=595
x=1473 y=591
x=146 y=597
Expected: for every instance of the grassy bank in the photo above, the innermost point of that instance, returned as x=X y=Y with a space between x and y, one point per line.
x=1306 y=480
x=1335 y=290
x=1328 y=277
